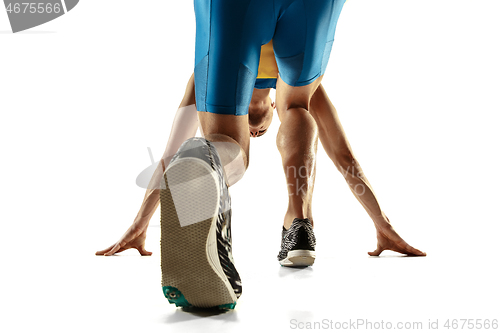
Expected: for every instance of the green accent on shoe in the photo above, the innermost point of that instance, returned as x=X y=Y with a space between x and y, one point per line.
x=174 y=296
x=227 y=306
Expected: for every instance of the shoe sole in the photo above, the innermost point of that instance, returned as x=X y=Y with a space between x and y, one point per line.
x=191 y=272
x=299 y=258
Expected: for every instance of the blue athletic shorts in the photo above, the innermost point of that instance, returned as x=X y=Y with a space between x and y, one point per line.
x=265 y=83
x=229 y=36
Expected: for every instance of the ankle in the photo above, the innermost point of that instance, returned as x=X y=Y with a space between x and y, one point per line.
x=289 y=221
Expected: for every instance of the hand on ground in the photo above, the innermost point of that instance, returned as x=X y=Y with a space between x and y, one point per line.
x=134 y=238
x=388 y=239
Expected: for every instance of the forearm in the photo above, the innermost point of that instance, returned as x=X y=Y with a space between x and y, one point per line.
x=337 y=147
x=184 y=127
x=363 y=191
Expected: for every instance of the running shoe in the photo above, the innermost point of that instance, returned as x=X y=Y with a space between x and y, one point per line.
x=298 y=244
x=196 y=257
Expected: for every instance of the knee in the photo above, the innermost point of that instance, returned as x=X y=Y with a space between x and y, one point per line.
x=289 y=97
x=293 y=98
x=229 y=150
x=296 y=103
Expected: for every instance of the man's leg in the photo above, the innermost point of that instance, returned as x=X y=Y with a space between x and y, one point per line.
x=230 y=136
x=197 y=262
x=311 y=25
x=297 y=142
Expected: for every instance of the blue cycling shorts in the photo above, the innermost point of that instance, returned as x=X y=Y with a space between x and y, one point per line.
x=229 y=36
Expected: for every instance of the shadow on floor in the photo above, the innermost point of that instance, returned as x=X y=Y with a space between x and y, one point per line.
x=187 y=314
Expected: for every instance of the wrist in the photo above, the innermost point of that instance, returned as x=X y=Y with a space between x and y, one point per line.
x=381 y=220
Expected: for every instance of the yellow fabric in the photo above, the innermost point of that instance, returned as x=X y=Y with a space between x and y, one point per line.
x=268 y=69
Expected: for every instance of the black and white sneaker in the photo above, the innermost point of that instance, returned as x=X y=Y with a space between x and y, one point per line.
x=196 y=259
x=298 y=244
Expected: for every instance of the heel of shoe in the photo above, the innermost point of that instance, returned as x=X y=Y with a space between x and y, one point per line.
x=229 y=306
x=299 y=258
x=174 y=296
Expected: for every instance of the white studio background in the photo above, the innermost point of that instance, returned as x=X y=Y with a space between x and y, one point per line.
x=416 y=86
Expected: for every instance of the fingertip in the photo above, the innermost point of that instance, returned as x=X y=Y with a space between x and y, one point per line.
x=377 y=252
x=145 y=253
x=419 y=253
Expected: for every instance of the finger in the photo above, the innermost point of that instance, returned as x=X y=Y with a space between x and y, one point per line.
x=100 y=253
x=377 y=252
x=113 y=250
x=407 y=249
x=143 y=251
x=413 y=251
